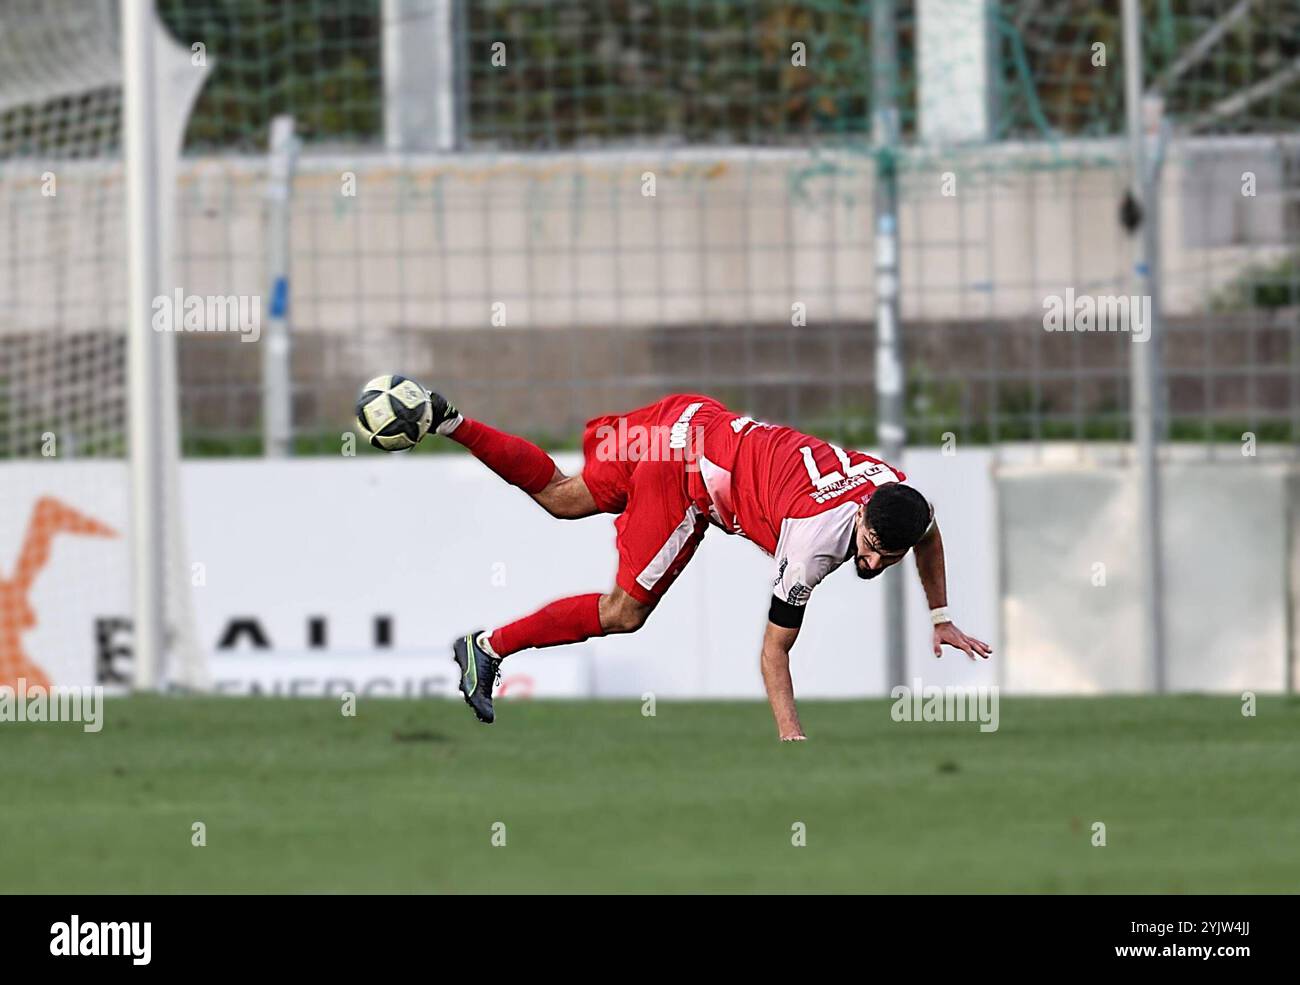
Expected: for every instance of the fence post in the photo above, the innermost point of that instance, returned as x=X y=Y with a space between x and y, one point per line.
x=277 y=382
x=889 y=363
x=1144 y=355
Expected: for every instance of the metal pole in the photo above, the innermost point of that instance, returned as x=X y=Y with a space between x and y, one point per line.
x=139 y=127
x=277 y=392
x=1144 y=356
x=889 y=364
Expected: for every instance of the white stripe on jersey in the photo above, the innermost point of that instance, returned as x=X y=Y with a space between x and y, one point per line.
x=662 y=561
x=717 y=483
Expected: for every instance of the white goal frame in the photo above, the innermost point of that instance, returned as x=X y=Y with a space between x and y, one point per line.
x=160 y=82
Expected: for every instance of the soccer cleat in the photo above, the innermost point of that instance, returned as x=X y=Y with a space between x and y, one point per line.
x=446 y=418
x=479 y=673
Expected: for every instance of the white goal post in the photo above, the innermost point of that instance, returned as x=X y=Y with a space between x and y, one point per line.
x=94 y=96
x=160 y=82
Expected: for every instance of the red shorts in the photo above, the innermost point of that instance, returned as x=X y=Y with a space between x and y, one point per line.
x=633 y=468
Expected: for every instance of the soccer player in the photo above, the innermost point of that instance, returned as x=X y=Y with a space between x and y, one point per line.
x=671 y=470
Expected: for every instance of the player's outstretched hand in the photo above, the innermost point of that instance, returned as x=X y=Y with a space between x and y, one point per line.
x=947 y=632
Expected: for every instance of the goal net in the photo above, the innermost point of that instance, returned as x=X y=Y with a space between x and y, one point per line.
x=66 y=540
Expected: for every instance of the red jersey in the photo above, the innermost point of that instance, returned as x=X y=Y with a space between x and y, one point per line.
x=687 y=462
x=755 y=476
x=794 y=495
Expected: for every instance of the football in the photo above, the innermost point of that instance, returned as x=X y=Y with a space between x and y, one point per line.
x=394 y=412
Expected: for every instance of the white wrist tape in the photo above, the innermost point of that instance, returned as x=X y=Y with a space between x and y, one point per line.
x=939 y=615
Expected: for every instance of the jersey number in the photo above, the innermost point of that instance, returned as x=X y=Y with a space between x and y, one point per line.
x=830 y=478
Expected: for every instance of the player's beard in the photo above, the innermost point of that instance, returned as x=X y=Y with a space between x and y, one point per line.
x=864 y=572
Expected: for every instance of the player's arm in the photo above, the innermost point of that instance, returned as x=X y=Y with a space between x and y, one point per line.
x=777 y=641
x=803 y=561
x=934 y=579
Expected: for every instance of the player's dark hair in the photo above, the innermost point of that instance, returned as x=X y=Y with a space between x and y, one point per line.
x=899 y=515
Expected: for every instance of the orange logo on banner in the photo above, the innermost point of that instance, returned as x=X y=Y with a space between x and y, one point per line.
x=49 y=517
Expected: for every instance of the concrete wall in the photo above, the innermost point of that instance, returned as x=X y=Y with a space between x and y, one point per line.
x=730 y=235
x=1071 y=626
x=384 y=243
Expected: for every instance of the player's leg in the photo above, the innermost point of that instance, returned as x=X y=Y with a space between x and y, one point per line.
x=609 y=460
x=568 y=620
x=517 y=460
x=621 y=613
x=567 y=497
x=657 y=534
x=572 y=620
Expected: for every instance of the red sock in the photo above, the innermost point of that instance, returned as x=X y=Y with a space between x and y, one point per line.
x=570 y=620
x=521 y=463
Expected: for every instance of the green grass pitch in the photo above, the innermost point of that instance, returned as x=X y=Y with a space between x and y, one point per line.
x=295 y=797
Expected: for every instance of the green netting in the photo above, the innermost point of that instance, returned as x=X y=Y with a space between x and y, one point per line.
x=778 y=161
x=676 y=71
x=699 y=72
x=319 y=60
